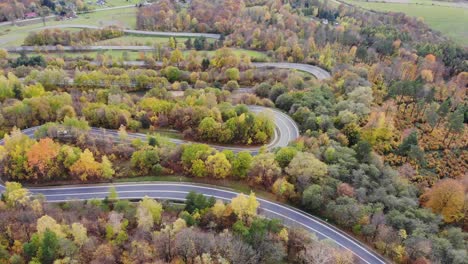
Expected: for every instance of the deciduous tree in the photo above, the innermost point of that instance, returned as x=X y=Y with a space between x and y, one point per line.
x=245 y=206
x=447 y=197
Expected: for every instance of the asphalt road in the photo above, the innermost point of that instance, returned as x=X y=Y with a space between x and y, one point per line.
x=318 y=72
x=143 y=32
x=178 y=191
x=286 y=130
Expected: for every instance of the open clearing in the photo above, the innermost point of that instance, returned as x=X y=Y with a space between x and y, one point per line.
x=126 y=17
x=449 y=18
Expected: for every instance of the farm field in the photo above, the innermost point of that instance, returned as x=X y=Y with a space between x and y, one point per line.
x=126 y=17
x=446 y=17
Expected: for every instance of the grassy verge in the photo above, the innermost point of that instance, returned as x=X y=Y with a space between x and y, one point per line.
x=450 y=20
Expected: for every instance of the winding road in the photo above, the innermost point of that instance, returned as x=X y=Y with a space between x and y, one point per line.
x=286 y=130
x=178 y=191
x=143 y=32
x=319 y=73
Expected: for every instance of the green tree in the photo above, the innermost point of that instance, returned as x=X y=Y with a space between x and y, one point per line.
x=193 y=152
x=231 y=86
x=232 y=74
x=31 y=248
x=284 y=156
x=241 y=164
x=407 y=143
x=307 y=168
x=456 y=124
x=172 y=73
x=48 y=251
x=146 y=160
x=197 y=201
x=313 y=197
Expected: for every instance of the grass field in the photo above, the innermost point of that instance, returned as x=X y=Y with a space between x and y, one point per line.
x=140 y=40
x=451 y=20
x=126 y=17
x=136 y=55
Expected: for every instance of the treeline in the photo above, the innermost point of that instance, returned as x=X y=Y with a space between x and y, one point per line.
x=46 y=160
x=12 y=10
x=289 y=35
x=350 y=186
x=30 y=105
x=202 y=115
x=114 y=230
x=71 y=38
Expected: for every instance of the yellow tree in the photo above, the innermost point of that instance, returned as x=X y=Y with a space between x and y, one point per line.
x=218 y=209
x=47 y=222
x=79 y=233
x=176 y=57
x=154 y=208
x=283 y=189
x=447 y=197
x=106 y=168
x=86 y=166
x=245 y=206
x=15 y=194
x=218 y=165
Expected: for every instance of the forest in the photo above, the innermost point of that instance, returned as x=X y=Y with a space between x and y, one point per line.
x=113 y=230
x=382 y=152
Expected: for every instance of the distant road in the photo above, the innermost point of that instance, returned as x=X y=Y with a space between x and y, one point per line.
x=319 y=73
x=143 y=32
